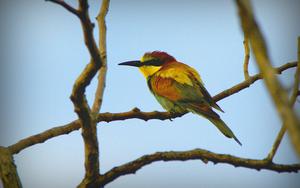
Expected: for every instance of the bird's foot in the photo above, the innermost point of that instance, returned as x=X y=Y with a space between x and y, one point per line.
x=172 y=115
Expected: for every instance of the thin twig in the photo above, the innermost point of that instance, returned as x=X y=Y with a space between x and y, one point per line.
x=102 y=49
x=66 y=6
x=247 y=57
x=250 y=81
x=276 y=144
x=196 y=154
x=278 y=94
x=135 y=113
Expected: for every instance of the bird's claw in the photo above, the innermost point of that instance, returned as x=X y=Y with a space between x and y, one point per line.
x=172 y=115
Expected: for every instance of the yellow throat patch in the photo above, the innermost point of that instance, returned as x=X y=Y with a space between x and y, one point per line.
x=148 y=70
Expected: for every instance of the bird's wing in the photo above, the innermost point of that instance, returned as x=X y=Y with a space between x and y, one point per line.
x=181 y=83
x=165 y=87
x=177 y=86
x=206 y=95
x=181 y=94
x=196 y=80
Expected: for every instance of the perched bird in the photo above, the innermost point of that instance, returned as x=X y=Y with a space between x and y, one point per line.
x=179 y=88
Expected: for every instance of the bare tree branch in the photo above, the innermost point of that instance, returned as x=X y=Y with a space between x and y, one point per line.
x=8 y=171
x=250 y=81
x=44 y=136
x=89 y=129
x=247 y=57
x=66 y=6
x=200 y=154
x=89 y=124
x=278 y=94
x=87 y=27
x=292 y=102
x=102 y=48
x=135 y=113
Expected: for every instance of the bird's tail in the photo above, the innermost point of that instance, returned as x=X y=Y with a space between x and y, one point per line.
x=220 y=124
x=212 y=116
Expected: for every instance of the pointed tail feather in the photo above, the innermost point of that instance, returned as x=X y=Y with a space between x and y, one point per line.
x=212 y=116
x=217 y=107
x=220 y=124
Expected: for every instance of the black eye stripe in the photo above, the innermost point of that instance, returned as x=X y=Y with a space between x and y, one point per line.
x=153 y=62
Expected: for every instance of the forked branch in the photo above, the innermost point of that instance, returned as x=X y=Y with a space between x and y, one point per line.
x=66 y=6
x=292 y=102
x=86 y=118
x=278 y=94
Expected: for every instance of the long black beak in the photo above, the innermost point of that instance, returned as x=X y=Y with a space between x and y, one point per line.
x=132 y=63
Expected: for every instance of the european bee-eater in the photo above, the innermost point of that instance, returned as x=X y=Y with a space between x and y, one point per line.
x=179 y=88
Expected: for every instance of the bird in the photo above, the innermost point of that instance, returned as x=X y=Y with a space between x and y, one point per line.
x=179 y=88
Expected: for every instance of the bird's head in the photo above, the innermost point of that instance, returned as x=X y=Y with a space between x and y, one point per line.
x=151 y=62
